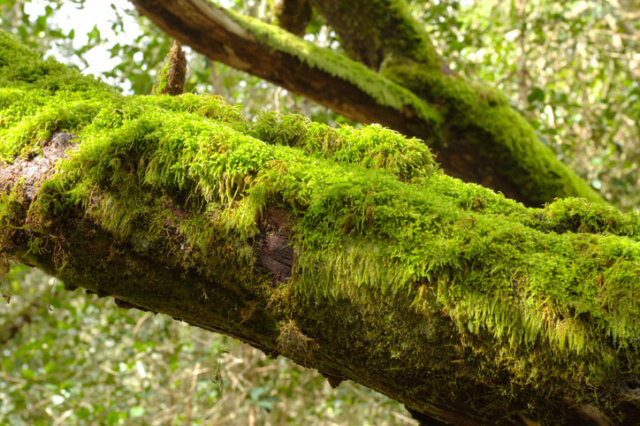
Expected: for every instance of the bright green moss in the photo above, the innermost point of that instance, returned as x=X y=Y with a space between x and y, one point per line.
x=161 y=85
x=372 y=146
x=547 y=296
x=24 y=139
x=483 y=115
x=577 y=215
x=22 y=67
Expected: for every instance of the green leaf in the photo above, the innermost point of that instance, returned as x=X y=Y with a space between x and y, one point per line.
x=28 y=374
x=536 y=95
x=136 y=411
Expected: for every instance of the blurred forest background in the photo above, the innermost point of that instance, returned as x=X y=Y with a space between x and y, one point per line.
x=570 y=67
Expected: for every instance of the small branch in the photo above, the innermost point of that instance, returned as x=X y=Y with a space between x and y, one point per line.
x=172 y=76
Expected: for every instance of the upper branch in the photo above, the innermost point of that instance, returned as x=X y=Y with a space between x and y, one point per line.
x=269 y=52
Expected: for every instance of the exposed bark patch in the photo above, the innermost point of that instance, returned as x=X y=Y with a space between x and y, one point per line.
x=274 y=251
x=31 y=172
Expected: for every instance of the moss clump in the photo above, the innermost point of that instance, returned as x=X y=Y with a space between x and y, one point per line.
x=372 y=146
x=578 y=215
x=292 y=341
x=496 y=294
x=504 y=137
x=22 y=67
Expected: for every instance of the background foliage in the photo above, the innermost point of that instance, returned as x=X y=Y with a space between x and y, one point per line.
x=67 y=358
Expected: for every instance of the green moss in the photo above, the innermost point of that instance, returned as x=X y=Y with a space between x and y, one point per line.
x=577 y=215
x=11 y=213
x=22 y=67
x=372 y=146
x=53 y=96
x=505 y=295
x=161 y=85
x=501 y=135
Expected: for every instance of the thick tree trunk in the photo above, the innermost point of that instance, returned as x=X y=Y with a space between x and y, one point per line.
x=293 y=15
x=345 y=250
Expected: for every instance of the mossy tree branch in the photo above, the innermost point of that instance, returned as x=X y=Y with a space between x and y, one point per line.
x=280 y=57
x=346 y=250
x=476 y=135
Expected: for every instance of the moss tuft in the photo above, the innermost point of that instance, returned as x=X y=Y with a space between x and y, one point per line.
x=372 y=146
x=504 y=137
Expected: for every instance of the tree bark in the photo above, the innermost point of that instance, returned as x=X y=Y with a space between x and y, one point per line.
x=294 y=15
x=345 y=250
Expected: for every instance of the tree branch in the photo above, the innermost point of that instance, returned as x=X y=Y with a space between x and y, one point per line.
x=345 y=250
x=475 y=133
